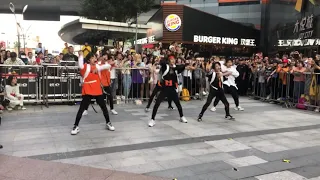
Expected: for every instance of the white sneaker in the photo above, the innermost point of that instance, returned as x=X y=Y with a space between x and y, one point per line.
x=183 y=119
x=213 y=109
x=22 y=108
x=316 y=110
x=204 y=93
x=9 y=108
x=239 y=108
x=85 y=113
x=197 y=94
x=114 y=112
x=75 y=130
x=110 y=127
x=147 y=109
x=151 y=123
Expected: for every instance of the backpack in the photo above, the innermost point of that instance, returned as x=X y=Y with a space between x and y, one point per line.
x=302 y=101
x=185 y=95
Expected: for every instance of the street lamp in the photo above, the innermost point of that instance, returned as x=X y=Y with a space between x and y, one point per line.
x=13 y=10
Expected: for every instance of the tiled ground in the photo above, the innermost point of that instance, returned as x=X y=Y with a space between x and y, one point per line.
x=253 y=147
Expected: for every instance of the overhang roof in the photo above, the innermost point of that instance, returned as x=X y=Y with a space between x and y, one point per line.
x=92 y=31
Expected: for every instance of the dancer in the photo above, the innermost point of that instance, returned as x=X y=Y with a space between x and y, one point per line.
x=216 y=90
x=155 y=91
x=229 y=85
x=169 y=83
x=105 y=82
x=91 y=89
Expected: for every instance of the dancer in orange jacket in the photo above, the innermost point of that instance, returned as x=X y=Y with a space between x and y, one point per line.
x=91 y=88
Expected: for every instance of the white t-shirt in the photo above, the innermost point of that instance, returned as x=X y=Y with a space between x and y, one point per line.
x=113 y=71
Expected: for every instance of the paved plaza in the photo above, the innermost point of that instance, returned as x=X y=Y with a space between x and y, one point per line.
x=266 y=142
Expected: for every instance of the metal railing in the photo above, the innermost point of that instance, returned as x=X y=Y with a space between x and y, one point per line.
x=51 y=84
x=300 y=90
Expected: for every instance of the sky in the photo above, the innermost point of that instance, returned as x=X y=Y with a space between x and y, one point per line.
x=46 y=30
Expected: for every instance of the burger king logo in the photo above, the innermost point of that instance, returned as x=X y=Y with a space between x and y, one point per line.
x=172 y=22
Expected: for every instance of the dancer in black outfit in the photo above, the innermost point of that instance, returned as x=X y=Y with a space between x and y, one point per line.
x=229 y=84
x=154 y=93
x=216 y=90
x=169 y=84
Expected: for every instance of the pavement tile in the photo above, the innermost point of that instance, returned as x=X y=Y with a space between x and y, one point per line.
x=284 y=175
x=228 y=145
x=201 y=151
x=308 y=171
x=245 y=161
x=209 y=167
x=243 y=172
x=173 y=173
x=267 y=146
x=214 y=157
x=141 y=168
x=280 y=165
x=247 y=152
x=175 y=163
x=209 y=176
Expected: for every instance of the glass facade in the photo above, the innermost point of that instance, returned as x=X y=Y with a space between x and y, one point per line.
x=280 y=20
x=247 y=12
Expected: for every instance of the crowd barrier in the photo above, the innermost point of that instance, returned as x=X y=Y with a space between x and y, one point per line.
x=50 y=84
x=299 y=90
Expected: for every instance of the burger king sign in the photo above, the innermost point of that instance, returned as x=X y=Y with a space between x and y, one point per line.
x=172 y=22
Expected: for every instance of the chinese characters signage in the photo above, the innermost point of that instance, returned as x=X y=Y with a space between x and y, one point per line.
x=150 y=39
x=224 y=40
x=298 y=42
x=304 y=27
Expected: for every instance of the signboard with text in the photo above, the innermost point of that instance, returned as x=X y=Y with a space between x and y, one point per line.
x=224 y=40
x=304 y=27
x=298 y=42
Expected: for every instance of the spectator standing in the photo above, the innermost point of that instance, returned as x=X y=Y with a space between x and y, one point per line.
x=156 y=52
x=113 y=75
x=2 y=56
x=40 y=49
x=86 y=49
x=299 y=79
x=24 y=58
x=70 y=56
x=65 y=49
x=243 y=79
x=13 y=60
x=31 y=59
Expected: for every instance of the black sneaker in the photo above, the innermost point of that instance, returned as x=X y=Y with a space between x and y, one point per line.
x=229 y=117
x=199 y=118
x=1 y=146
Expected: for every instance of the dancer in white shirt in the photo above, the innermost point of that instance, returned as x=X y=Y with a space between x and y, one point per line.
x=229 y=84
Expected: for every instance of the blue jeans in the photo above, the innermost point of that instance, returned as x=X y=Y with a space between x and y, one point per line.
x=298 y=89
x=126 y=84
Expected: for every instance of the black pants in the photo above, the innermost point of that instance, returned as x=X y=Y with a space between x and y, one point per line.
x=154 y=93
x=234 y=93
x=218 y=94
x=86 y=100
x=243 y=86
x=172 y=95
x=108 y=96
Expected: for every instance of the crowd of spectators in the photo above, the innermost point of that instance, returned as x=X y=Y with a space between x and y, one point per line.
x=134 y=75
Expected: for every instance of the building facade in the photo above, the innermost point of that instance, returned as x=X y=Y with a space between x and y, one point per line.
x=291 y=25
x=247 y=12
